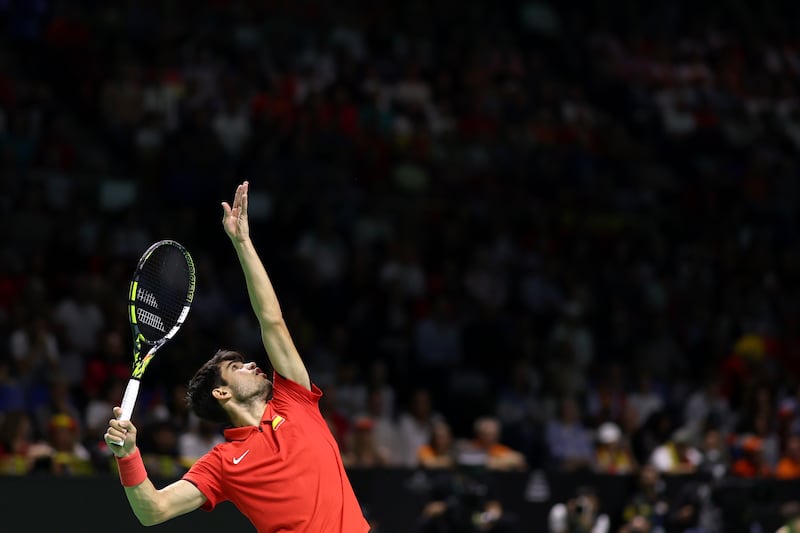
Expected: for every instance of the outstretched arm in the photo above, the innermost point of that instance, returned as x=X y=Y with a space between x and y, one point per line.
x=150 y=505
x=274 y=334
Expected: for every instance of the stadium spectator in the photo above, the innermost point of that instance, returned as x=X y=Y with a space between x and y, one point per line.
x=751 y=462
x=437 y=340
x=645 y=399
x=612 y=455
x=459 y=502
x=67 y=456
x=80 y=317
x=637 y=524
x=716 y=456
x=486 y=449
x=764 y=427
x=663 y=358
x=789 y=465
x=97 y=408
x=323 y=252
x=607 y=397
x=454 y=166
x=707 y=405
x=197 y=441
x=646 y=438
x=19 y=452
x=160 y=451
x=351 y=392
x=440 y=451
x=363 y=451
x=571 y=350
x=337 y=422
x=108 y=365
x=12 y=393
x=579 y=514
x=677 y=455
x=34 y=350
x=385 y=429
x=569 y=441
x=378 y=382
x=57 y=399
x=415 y=426
x=178 y=411
x=519 y=409
x=403 y=267
x=648 y=500
x=791 y=524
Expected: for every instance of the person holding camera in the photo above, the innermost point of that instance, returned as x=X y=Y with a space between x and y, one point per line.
x=580 y=514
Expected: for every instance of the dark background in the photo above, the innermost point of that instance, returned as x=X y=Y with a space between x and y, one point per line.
x=493 y=166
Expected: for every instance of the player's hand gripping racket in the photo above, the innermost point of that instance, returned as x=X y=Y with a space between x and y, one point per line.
x=159 y=299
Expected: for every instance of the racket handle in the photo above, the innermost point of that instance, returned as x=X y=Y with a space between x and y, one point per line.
x=129 y=399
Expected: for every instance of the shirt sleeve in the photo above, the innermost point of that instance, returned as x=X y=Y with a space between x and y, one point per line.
x=286 y=393
x=206 y=475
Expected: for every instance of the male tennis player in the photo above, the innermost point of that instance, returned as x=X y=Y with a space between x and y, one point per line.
x=280 y=465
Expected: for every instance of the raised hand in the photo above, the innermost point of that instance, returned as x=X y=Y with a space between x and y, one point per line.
x=234 y=219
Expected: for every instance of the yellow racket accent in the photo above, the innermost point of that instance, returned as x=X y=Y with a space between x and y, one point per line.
x=131 y=299
x=139 y=364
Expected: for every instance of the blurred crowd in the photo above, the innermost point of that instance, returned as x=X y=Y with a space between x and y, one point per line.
x=523 y=236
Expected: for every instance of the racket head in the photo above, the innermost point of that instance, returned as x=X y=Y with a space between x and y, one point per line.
x=159 y=298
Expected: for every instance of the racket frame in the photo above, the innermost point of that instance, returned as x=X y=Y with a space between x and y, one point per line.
x=139 y=342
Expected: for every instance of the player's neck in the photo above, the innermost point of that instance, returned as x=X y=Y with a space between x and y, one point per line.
x=248 y=414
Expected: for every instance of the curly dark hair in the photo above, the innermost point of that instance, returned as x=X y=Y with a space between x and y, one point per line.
x=205 y=380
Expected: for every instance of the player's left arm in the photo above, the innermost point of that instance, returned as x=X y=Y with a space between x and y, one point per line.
x=153 y=506
x=278 y=343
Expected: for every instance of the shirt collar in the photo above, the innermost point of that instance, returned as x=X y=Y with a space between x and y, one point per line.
x=234 y=434
x=243 y=432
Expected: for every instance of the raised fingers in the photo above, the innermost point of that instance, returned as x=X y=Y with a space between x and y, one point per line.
x=237 y=198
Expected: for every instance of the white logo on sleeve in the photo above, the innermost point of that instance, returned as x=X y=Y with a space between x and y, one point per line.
x=237 y=460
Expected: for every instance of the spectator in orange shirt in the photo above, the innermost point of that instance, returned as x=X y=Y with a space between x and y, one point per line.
x=486 y=448
x=789 y=464
x=751 y=464
x=439 y=452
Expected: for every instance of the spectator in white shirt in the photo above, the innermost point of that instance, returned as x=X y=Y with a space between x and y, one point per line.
x=677 y=455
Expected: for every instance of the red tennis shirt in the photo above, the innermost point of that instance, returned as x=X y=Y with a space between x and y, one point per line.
x=286 y=475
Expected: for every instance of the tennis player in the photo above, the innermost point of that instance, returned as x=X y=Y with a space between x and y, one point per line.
x=280 y=464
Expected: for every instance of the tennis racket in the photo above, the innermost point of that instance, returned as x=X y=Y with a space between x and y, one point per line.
x=159 y=298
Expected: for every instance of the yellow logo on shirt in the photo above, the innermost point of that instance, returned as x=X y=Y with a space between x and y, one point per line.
x=277 y=420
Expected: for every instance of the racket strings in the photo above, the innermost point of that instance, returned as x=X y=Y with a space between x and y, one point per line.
x=162 y=292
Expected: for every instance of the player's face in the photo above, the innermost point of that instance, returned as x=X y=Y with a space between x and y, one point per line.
x=246 y=381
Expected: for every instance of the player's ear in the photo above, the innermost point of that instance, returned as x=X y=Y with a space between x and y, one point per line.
x=221 y=393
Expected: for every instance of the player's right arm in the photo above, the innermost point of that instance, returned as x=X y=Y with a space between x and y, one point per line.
x=278 y=343
x=150 y=505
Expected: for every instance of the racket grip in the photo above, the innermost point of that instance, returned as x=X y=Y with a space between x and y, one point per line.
x=129 y=399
